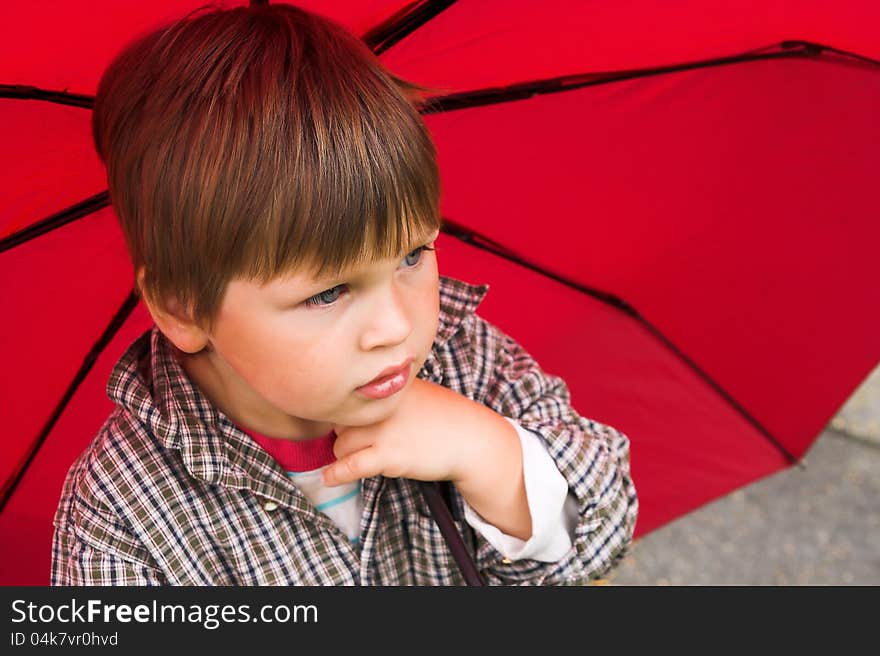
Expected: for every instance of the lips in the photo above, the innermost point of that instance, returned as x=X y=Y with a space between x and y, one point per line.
x=390 y=372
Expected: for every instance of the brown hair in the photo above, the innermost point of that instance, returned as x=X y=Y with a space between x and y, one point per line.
x=255 y=141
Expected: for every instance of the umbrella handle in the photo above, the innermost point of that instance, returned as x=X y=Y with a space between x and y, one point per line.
x=431 y=494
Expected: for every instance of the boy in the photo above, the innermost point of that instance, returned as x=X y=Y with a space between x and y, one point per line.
x=278 y=193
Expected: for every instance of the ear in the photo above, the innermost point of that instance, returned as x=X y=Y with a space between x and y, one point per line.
x=174 y=321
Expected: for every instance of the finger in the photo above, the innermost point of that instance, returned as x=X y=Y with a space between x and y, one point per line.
x=350 y=441
x=355 y=466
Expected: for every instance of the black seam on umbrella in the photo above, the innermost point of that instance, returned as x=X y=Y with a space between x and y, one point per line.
x=477 y=240
x=23 y=92
x=84 y=208
x=403 y=23
x=397 y=26
x=12 y=481
x=525 y=90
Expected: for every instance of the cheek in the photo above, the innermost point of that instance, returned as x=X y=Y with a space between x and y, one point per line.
x=431 y=308
x=315 y=369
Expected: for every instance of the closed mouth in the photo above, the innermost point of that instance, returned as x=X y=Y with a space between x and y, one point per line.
x=391 y=371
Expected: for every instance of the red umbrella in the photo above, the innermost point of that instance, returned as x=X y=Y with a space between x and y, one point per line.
x=668 y=203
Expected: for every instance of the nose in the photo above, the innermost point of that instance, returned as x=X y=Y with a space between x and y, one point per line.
x=388 y=323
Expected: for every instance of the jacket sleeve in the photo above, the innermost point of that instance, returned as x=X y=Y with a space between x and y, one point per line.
x=90 y=546
x=591 y=456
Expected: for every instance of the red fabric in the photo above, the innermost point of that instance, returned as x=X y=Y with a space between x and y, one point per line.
x=297 y=455
x=731 y=206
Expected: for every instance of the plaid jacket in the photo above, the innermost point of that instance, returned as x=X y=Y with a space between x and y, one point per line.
x=171 y=492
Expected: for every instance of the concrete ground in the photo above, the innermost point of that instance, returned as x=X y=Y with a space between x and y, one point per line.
x=819 y=525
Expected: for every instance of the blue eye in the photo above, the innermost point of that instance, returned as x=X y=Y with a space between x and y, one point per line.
x=329 y=296
x=326 y=295
x=418 y=253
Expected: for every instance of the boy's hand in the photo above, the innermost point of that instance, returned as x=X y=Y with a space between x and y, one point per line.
x=435 y=434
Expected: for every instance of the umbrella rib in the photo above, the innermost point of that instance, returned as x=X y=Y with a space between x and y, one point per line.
x=12 y=481
x=83 y=208
x=23 y=92
x=526 y=90
x=403 y=23
x=477 y=240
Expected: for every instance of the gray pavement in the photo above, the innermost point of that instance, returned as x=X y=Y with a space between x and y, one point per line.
x=817 y=525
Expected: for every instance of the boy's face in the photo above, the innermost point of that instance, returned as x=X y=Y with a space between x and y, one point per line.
x=291 y=369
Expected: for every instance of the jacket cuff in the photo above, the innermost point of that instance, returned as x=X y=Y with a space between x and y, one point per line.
x=553 y=508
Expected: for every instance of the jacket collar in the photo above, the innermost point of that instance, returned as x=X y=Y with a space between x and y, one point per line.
x=151 y=385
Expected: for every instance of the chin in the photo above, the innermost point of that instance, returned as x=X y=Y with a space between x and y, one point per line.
x=376 y=410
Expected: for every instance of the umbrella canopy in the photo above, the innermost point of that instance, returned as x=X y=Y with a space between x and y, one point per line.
x=669 y=201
